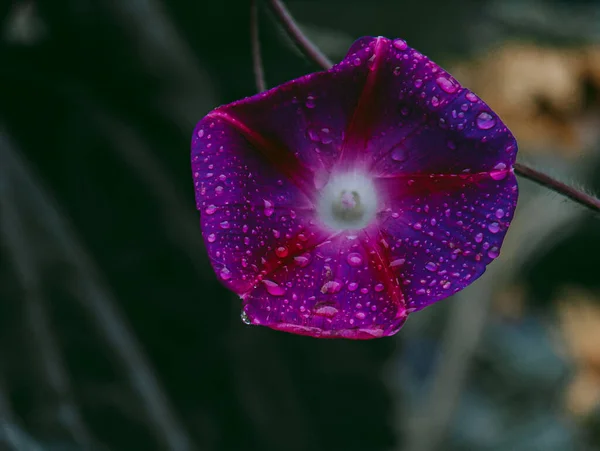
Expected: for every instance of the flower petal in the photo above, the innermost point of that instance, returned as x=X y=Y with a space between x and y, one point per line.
x=444 y=230
x=340 y=288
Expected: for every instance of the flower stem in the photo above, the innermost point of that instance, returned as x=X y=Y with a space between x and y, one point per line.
x=259 y=73
x=310 y=50
x=559 y=187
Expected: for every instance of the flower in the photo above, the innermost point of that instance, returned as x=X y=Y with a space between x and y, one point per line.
x=336 y=204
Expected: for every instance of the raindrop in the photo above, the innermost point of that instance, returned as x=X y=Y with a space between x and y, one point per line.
x=302 y=260
x=360 y=315
x=281 y=252
x=200 y=133
x=225 y=274
x=479 y=237
x=269 y=209
x=400 y=44
x=331 y=287
x=325 y=309
x=435 y=102
x=211 y=238
x=357 y=61
x=354 y=259
x=447 y=85
x=352 y=286
x=399 y=153
x=224 y=225
x=245 y=319
x=471 y=97
x=397 y=262
x=379 y=287
x=273 y=288
x=494 y=227
x=493 y=252
x=431 y=266
x=211 y=209
x=418 y=83
x=310 y=102
x=485 y=121
x=499 y=213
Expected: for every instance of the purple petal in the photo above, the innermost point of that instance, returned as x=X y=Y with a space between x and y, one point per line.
x=444 y=230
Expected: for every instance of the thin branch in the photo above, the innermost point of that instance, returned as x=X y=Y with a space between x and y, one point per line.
x=42 y=333
x=310 y=50
x=559 y=187
x=259 y=73
x=99 y=302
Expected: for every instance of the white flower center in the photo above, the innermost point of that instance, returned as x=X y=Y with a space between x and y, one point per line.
x=348 y=202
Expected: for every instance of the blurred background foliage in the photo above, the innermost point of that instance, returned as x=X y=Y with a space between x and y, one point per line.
x=114 y=334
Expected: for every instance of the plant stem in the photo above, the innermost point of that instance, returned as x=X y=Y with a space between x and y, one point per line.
x=259 y=73
x=559 y=187
x=312 y=52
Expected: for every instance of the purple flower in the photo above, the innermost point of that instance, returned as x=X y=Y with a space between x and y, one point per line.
x=340 y=202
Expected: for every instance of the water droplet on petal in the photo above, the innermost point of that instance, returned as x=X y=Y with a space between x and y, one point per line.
x=331 y=287
x=325 y=309
x=224 y=225
x=269 y=208
x=281 y=252
x=360 y=315
x=379 y=287
x=302 y=260
x=310 y=102
x=493 y=252
x=485 y=121
x=447 y=85
x=400 y=44
x=211 y=238
x=200 y=133
x=479 y=237
x=354 y=259
x=211 y=209
x=431 y=266
x=499 y=213
x=494 y=227
x=274 y=288
x=225 y=274
x=399 y=153
x=357 y=61
x=244 y=318
x=418 y=83
x=471 y=97
x=397 y=262
x=435 y=102
x=352 y=286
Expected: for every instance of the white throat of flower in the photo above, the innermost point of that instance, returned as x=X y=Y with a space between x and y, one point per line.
x=348 y=202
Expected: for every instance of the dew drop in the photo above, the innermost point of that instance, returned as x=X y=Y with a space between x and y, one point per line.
x=225 y=274
x=494 y=227
x=211 y=238
x=418 y=83
x=499 y=213
x=397 y=262
x=325 y=309
x=447 y=85
x=310 y=102
x=431 y=266
x=360 y=315
x=479 y=237
x=435 y=102
x=200 y=133
x=331 y=287
x=281 y=252
x=399 y=153
x=354 y=259
x=211 y=209
x=352 y=286
x=357 y=61
x=224 y=225
x=244 y=318
x=379 y=287
x=493 y=252
x=485 y=121
x=269 y=208
x=400 y=44
x=274 y=288
x=471 y=97
x=302 y=260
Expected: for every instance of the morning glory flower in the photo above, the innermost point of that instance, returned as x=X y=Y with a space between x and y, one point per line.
x=338 y=203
